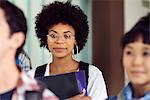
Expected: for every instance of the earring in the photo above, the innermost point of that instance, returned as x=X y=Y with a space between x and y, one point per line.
x=75 y=52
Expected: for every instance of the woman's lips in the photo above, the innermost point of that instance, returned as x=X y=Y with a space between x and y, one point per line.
x=59 y=49
x=136 y=73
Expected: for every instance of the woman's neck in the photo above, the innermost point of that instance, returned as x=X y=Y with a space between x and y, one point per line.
x=64 y=65
x=140 y=90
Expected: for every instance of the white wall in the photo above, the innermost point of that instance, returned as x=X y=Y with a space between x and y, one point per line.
x=133 y=10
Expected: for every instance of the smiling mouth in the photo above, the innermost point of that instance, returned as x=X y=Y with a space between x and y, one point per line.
x=137 y=72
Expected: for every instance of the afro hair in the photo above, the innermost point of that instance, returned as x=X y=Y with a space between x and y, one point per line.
x=66 y=13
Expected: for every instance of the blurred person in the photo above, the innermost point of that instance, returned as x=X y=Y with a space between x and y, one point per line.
x=14 y=83
x=136 y=62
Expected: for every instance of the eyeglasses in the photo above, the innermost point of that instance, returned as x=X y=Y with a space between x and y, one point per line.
x=52 y=36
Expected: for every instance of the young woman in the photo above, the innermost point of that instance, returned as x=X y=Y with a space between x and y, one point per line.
x=63 y=29
x=136 y=61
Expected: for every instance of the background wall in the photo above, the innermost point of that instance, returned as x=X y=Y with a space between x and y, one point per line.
x=108 y=22
x=133 y=10
x=39 y=55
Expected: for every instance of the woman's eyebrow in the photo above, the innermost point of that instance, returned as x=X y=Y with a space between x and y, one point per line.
x=146 y=48
x=53 y=31
x=129 y=47
x=68 y=32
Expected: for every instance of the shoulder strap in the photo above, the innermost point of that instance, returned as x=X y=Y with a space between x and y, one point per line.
x=40 y=71
x=84 y=66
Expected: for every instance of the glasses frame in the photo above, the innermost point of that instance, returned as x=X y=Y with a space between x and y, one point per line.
x=60 y=36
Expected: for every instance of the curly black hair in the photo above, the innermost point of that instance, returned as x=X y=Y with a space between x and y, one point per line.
x=66 y=13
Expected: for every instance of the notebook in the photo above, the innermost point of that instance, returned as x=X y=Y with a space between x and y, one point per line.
x=65 y=85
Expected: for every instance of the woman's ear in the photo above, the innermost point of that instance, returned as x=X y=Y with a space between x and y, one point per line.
x=75 y=42
x=17 y=39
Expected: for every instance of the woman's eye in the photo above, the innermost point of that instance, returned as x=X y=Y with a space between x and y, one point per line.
x=146 y=53
x=53 y=36
x=67 y=36
x=128 y=53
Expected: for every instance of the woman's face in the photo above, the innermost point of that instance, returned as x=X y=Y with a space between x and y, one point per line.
x=61 y=40
x=136 y=60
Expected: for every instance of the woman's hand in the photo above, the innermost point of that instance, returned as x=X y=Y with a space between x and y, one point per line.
x=80 y=97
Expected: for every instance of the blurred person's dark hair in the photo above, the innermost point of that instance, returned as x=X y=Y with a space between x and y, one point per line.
x=15 y=18
x=140 y=29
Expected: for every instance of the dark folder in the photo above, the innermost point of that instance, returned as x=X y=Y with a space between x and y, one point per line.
x=65 y=85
